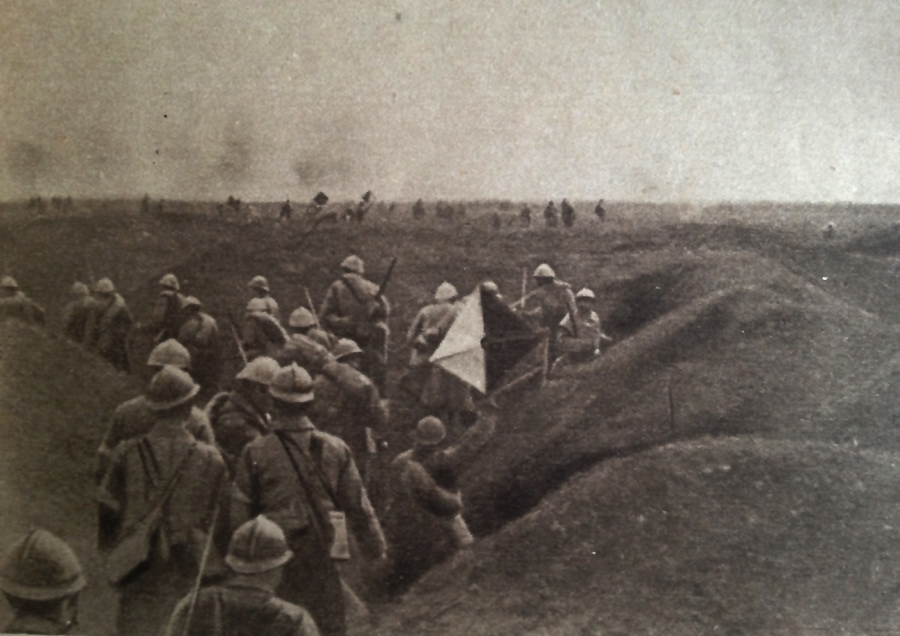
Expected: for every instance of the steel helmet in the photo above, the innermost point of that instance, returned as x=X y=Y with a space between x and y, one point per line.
x=191 y=301
x=584 y=293
x=257 y=546
x=170 y=352
x=260 y=370
x=41 y=567
x=490 y=287
x=170 y=282
x=169 y=388
x=345 y=347
x=301 y=318
x=544 y=271
x=353 y=263
x=430 y=431
x=80 y=289
x=259 y=282
x=104 y=286
x=445 y=291
x=292 y=384
x=258 y=304
x=9 y=282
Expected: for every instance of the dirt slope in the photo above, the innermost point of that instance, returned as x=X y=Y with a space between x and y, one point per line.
x=730 y=535
x=55 y=400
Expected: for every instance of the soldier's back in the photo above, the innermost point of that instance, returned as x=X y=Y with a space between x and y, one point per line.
x=236 y=610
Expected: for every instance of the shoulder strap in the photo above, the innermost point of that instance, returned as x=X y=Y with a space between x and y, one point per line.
x=320 y=518
x=170 y=486
x=353 y=291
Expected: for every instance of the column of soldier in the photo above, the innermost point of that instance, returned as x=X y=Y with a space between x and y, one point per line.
x=241 y=516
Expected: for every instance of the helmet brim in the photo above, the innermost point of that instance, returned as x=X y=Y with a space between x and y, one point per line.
x=292 y=398
x=155 y=405
x=242 y=566
x=43 y=593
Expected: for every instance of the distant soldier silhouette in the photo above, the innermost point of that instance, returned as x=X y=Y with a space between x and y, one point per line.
x=600 y=212
x=496 y=221
x=165 y=320
x=525 y=216
x=418 y=210
x=550 y=215
x=108 y=326
x=15 y=304
x=77 y=312
x=568 y=213
x=362 y=208
x=286 y=211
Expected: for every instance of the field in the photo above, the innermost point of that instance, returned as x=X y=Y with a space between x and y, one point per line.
x=761 y=498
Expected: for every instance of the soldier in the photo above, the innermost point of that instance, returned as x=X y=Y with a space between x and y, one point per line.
x=109 y=325
x=166 y=317
x=241 y=416
x=303 y=322
x=424 y=523
x=77 y=312
x=157 y=504
x=246 y=604
x=418 y=210
x=262 y=334
x=443 y=394
x=349 y=406
x=135 y=417
x=550 y=216
x=353 y=309
x=586 y=343
x=568 y=213
x=286 y=211
x=260 y=288
x=15 y=304
x=599 y=211
x=547 y=305
x=41 y=579
x=307 y=482
x=199 y=333
x=525 y=216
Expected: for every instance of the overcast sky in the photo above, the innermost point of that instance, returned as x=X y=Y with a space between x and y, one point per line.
x=621 y=99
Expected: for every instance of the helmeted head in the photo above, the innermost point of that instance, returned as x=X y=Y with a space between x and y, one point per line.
x=257 y=305
x=170 y=352
x=584 y=295
x=292 y=384
x=8 y=282
x=445 y=292
x=260 y=370
x=430 y=431
x=104 y=287
x=490 y=287
x=301 y=318
x=346 y=350
x=170 y=388
x=353 y=264
x=257 y=546
x=169 y=282
x=191 y=304
x=259 y=284
x=80 y=290
x=544 y=271
x=41 y=567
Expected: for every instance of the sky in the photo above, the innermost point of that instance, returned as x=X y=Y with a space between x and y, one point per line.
x=650 y=100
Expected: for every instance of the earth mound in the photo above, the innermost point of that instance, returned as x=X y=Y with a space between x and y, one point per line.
x=715 y=535
x=721 y=343
x=55 y=401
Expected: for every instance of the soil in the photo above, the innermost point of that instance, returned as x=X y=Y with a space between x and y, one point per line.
x=727 y=465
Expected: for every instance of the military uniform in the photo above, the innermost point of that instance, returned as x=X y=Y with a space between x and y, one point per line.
x=75 y=317
x=550 y=215
x=267 y=483
x=423 y=522
x=547 y=306
x=262 y=335
x=236 y=422
x=587 y=342
x=349 y=311
x=139 y=470
x=108 y=328
x=134 y=418
x=200 y=335
x=165 y=320
x=20 y=307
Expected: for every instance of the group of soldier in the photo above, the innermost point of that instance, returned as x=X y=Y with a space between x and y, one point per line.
x=249 y=512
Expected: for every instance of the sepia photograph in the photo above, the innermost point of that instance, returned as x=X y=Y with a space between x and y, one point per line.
x=396 y=318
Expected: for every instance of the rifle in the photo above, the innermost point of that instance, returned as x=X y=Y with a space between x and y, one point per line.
x=387 y=278
x=312 y=307
x=237 y=340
